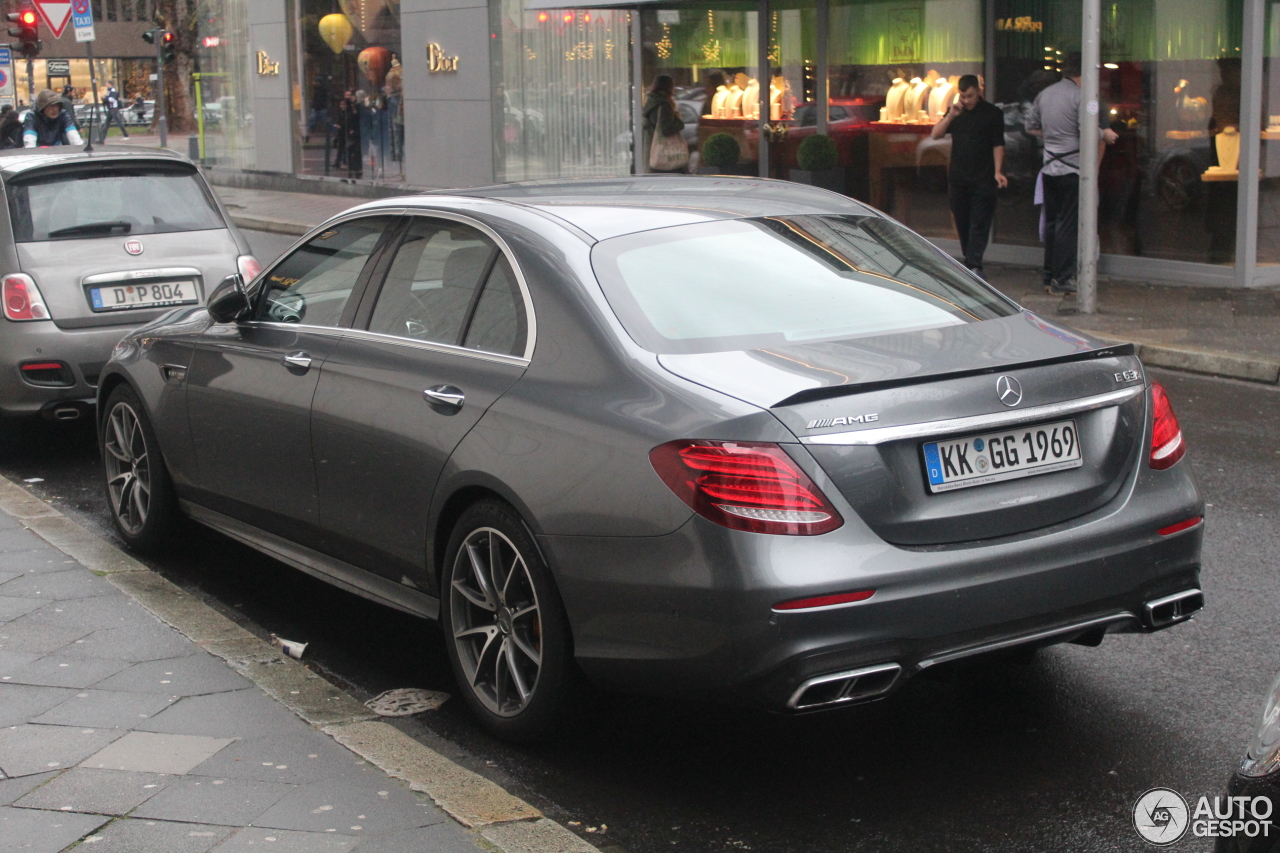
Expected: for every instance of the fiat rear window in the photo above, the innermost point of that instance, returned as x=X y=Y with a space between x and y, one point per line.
x=109 y=200
x=756 y=283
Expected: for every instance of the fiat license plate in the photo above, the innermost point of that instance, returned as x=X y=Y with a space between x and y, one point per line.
x=123 y=296
x=992 y=457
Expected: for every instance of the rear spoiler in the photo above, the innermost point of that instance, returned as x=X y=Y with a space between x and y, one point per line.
x=812 y=395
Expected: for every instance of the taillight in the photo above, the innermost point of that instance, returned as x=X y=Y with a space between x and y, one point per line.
x=1187 y=524
x=1167 y=446
x=823 y=602
x=22 y=299
x=745 y=485
x=248 y=267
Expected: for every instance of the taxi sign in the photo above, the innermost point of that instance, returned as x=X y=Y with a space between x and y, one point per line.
x=82 y=20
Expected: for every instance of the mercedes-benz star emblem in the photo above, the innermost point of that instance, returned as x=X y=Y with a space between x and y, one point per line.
x=1009 y=391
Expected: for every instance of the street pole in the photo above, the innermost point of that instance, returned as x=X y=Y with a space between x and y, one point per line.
x=1087 y=242
x=31 y=81
x=163 y=121
x=93 y=80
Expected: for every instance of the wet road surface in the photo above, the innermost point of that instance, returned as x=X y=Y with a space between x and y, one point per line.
x=1049 y=755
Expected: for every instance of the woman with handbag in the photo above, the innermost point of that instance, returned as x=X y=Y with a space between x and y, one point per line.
x=663 y=143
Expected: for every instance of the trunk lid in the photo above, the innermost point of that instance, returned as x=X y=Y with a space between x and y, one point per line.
x=835 y=391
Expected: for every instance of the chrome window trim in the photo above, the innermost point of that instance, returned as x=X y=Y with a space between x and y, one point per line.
x=330 y=331
x=531 y=322
x=952 y=426
x=432 y=346
x=137 y=275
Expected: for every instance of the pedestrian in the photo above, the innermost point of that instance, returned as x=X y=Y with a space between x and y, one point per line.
x=1055 y=117
x=976 y=127
x=49 y=124
x=140 y=109
x=113 y=104
x=10 y=128
x=661 y=122
x=339 y=124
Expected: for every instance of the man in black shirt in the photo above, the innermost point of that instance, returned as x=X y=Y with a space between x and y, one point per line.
x=977 y=166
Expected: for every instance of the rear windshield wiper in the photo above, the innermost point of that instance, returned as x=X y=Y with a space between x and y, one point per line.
x=92 y=228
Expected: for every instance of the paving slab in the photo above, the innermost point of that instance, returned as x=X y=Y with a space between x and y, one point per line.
x=136 y=644
x=438 y=838
x=11 y=607
x=97 y=613
x=254 y=840
x=190 y=675
x=57 y=586
x=31 y=749
x=107 y=792
x=12 y=789
x=294 y=758
x=352 y=804
x=154 y=836
x=227 y=802
x=57 y=670
x=38 y=637
x=32 y=831
x=106 y=709
x=225 y=715
x=36 y=562
x=19 y=703
x=147 y=752
x=16 y=539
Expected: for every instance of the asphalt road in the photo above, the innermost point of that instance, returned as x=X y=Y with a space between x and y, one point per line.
x=1043 y=756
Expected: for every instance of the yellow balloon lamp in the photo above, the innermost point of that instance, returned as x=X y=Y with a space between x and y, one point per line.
x=336 y=31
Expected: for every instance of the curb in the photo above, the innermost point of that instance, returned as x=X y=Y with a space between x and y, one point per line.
x=501 y=820
x=274 y=226
x=1193 y=360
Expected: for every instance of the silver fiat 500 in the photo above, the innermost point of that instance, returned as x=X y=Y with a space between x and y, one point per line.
x=667 y=434
x=93 y=245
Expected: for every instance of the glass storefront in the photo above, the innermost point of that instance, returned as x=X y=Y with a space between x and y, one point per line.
x=1269 y=184
x=351 y=92
x=223 y=85
x=562 y=97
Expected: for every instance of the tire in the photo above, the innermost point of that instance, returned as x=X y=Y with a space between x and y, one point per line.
x=508 y=638
x=144 y=506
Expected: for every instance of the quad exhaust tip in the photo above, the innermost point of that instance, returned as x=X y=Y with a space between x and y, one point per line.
x=842 y=688
x=1173 y=608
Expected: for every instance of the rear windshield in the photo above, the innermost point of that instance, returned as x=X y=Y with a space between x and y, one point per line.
x=756 y=283
x=109 y=201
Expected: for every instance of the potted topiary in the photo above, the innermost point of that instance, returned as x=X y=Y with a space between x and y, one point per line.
x=819 y=164
x=720 y=154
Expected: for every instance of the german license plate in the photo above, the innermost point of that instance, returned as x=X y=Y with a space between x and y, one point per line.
x=992 y=457
x=124 y=296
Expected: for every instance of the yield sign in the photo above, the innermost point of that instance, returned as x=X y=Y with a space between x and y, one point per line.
x=56 y=14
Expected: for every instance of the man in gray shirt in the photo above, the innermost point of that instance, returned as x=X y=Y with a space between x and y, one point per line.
x=1055 y=116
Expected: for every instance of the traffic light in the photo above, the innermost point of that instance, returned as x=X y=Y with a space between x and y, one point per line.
x=169 y=47
x=166 y=42
x=27 y=31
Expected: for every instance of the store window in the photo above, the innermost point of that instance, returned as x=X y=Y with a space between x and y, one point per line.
x=352 y=90
x=562 y=99
x=1170 y=89
x=1269 y=185
x=223 y=85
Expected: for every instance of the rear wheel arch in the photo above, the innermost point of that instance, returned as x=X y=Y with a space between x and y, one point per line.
x=459 y=501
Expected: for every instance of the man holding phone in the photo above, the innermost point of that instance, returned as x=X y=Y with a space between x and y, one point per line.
x=977 y=166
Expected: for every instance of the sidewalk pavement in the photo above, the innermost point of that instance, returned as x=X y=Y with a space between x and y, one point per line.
x=119 y=732
x=1213 y=330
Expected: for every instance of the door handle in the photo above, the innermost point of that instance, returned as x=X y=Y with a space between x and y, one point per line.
x=298 y=359
x=445 y=395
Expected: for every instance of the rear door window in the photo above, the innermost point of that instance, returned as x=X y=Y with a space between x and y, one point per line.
x=312 y=285
x=109 y=200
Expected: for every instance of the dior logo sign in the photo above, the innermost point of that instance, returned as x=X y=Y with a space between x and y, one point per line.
x=437 y=61
x=266 y=67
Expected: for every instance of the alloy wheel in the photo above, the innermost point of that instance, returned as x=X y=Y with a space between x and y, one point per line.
x=497 y=624
x=128 y=469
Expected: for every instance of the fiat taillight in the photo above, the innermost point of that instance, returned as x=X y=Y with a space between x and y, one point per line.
x=745 y=485
x=22 y=299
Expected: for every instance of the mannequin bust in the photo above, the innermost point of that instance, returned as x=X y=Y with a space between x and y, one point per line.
x=778 y=91
x=734 y=103
x=1227 y=145
x=718 y=100
x=751 y=99
x=893 y=102
x=916 y=99
x=940 y=97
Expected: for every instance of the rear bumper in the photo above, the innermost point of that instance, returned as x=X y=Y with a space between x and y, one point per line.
x=84 y=351
x=692 y=611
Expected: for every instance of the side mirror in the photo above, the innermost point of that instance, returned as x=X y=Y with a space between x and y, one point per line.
x=228 y=302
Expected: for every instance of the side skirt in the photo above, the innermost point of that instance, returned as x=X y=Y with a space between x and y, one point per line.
x=342 y=575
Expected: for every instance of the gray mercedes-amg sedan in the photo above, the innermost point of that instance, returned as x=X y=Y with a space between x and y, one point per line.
x=670 y=434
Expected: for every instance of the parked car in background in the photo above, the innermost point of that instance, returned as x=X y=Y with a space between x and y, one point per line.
x=93 y=246
x=671 y=434
x=1256 y=778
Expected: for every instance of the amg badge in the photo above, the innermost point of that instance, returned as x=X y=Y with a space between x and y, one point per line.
x=849 y=421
